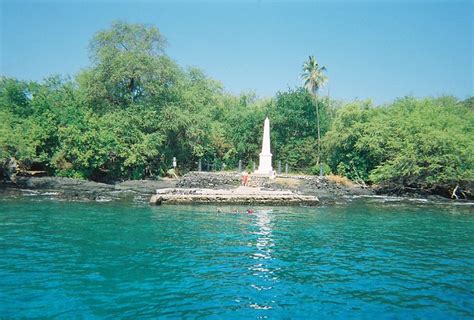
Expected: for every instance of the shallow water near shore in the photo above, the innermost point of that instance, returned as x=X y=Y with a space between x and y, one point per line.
x=361 y=259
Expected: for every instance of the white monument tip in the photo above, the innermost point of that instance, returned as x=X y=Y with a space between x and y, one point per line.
x=265 y=163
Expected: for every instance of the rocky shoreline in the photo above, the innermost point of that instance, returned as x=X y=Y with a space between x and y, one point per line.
x=324 y=189
x=83 y=190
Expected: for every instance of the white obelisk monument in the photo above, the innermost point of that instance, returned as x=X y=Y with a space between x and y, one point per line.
x=265 y=164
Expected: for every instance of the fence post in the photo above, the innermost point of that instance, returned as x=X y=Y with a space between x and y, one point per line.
x=279 y=167
x=240 y=165
x=253 y=166
x=286 y=168
x=199 y=165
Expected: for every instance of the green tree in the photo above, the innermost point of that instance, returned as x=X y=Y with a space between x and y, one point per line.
x=33 y=114
x=342 y=148
x=293 y=115
x=419 y=143
x=129 y=66
x=14 y=96
x=314 y=78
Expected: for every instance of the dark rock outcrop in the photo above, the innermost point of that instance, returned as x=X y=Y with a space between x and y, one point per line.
x=73 y=189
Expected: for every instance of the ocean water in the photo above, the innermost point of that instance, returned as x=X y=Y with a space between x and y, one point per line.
x=369 y=258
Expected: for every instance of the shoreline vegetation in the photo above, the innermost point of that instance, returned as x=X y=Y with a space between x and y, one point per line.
x=134 y=109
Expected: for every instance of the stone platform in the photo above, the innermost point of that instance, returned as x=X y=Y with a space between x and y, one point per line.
x=240 y=195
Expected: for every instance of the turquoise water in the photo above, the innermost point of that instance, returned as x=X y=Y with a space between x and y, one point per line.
x=364 y=259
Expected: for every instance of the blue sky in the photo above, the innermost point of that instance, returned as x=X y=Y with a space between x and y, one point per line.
x=379 y=50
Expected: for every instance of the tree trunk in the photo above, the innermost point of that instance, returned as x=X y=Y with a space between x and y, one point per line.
x=319 y=137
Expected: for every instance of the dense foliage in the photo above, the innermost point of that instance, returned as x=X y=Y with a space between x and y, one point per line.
x=134 y=109
x=418 y=143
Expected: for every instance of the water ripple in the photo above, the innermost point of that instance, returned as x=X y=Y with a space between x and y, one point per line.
x=359 y=260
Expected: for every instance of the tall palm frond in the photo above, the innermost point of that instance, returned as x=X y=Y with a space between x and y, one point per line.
x=313 y=75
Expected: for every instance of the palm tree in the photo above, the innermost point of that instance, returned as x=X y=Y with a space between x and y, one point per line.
x=314 y=79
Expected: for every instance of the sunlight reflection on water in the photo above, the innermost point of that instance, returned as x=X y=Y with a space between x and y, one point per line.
x=264 y=243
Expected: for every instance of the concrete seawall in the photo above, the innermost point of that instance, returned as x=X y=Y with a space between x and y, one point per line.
x=240 y=195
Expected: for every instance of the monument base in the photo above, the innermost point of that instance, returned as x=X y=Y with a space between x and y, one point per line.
x=264 y=175
x=267 y=174
x=265 y=166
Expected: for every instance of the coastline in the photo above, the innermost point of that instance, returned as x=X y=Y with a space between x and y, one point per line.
x=324 y=189
x=83 y=190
